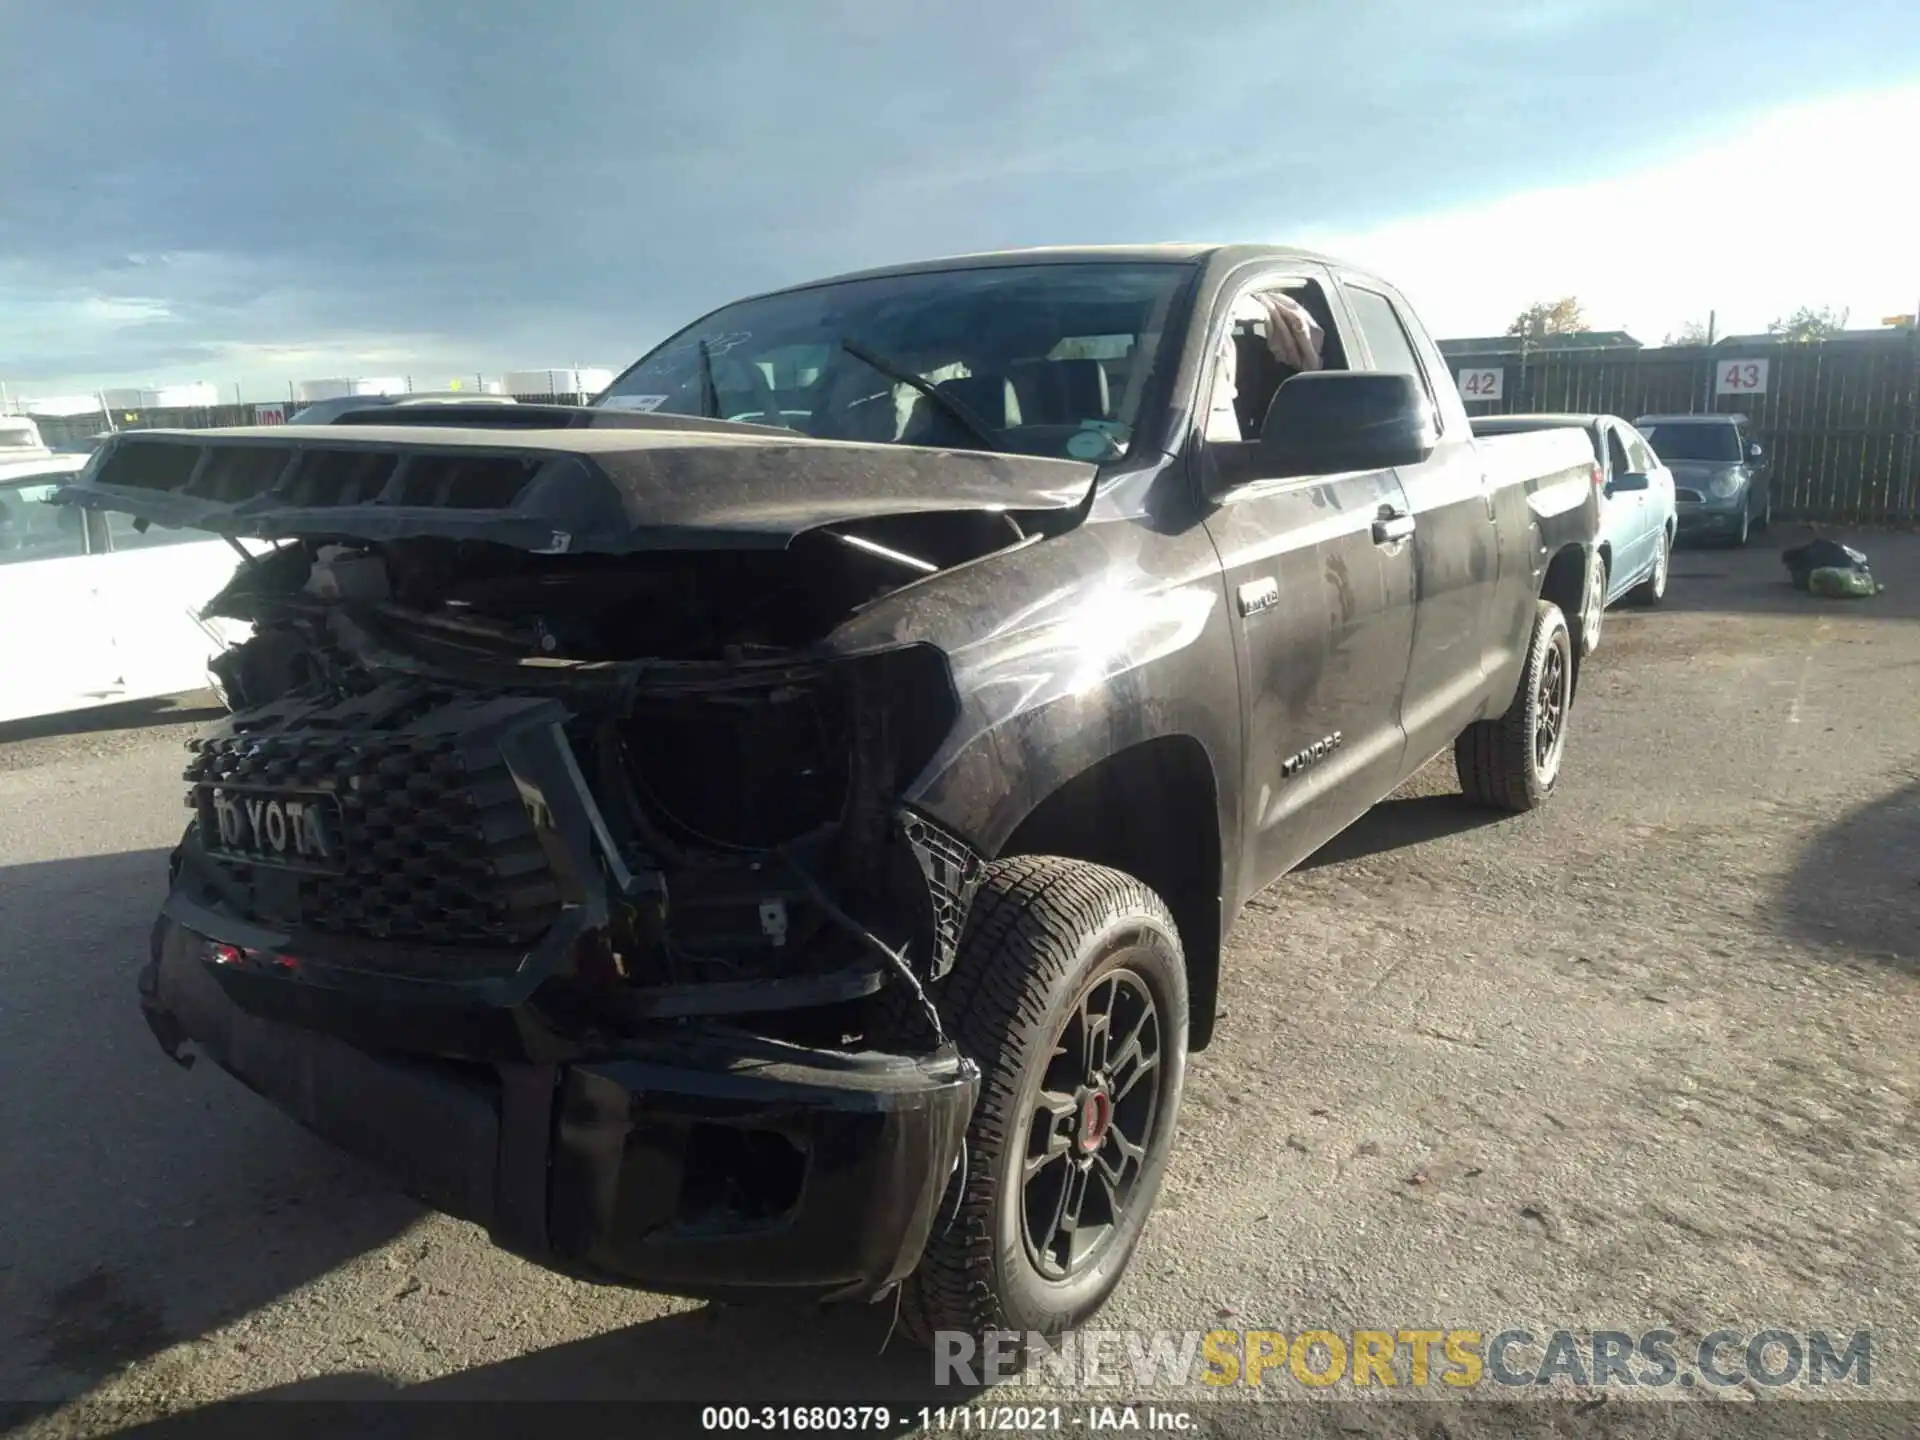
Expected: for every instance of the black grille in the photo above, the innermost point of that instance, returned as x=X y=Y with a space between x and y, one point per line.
x=1690 y=496
x=436 y=845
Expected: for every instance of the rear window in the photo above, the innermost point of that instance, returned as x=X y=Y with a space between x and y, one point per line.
x=1719 y=443
x=1492 y=427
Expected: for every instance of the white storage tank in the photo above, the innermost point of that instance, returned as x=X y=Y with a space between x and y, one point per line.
x=181 y=397
x=162 y=397
x=338 y=388
x=588 y=380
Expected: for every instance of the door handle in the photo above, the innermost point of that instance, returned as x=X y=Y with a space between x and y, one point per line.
x=1392 y=526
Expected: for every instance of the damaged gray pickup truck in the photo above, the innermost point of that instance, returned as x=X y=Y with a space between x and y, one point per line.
x=774 y=830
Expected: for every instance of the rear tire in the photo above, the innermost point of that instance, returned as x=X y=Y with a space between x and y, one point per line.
x=1048 y=943
x=1513 y=763
x=1652 y=590
x=1593 y=611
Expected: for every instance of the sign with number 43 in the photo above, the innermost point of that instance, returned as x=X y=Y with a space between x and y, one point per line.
x=1482 y=384
x=1740 y=377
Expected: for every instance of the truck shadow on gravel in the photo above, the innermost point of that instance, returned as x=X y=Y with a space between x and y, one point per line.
x=201 y=706
x=1857 y=884
x=750 y=1355
x=1401 y=821
x=140 y=1204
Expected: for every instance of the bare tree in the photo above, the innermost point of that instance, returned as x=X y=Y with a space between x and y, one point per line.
x=1691 y=333
x=1807 y=323
x=1549 y=317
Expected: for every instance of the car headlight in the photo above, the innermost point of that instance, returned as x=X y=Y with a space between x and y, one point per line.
x=1726 y=484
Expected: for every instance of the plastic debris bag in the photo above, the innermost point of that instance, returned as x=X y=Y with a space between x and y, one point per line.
x=1820 y=554
x=1842 y=582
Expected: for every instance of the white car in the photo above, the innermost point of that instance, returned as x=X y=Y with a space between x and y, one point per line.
x=92 y=611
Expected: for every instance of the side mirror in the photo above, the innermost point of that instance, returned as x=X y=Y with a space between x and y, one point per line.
x=1622 y=484
x=1753 y=452
x=1329 y=422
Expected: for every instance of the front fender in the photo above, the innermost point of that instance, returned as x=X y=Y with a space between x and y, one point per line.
x=1045 y=701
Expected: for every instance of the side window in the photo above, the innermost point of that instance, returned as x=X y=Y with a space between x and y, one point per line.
x=1276 y=329
x=1617 y=461
x=1387 y=339
x=32 y=529
x=122 y=535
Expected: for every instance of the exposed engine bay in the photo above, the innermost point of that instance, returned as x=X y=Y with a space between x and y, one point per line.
x=404 y=709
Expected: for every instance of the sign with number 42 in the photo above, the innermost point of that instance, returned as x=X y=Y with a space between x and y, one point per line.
x=1740 y=377
x=1480 y=384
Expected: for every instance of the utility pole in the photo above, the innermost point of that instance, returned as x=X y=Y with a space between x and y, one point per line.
x=1713 y=318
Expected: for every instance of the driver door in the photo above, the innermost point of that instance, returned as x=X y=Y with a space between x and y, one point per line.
x=1320 y=585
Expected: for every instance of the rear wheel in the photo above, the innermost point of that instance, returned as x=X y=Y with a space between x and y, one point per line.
x=1653 y=589
x=1070 y=993
x=1513 y=762
x=1593 y=612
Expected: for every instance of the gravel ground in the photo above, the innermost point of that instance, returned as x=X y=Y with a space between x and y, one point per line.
x=1643 y=1059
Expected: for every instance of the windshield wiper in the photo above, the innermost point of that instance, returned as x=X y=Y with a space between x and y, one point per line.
x=982 y=431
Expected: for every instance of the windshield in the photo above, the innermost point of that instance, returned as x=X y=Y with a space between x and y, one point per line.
x=1040 y=359
x=1717 y=443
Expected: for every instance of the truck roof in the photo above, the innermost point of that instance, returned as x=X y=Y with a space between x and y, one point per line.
x=1188 y=252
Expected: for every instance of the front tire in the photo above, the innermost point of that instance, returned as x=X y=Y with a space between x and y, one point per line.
x=1512 y=763
x=1745 y=532
x=1070 y=993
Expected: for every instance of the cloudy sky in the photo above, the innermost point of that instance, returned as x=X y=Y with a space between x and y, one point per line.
x=233 y=191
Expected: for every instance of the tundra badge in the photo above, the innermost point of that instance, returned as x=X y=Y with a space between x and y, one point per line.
x=1258 y=595
x=1312 y=755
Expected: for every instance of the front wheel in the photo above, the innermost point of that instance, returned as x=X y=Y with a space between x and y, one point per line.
x=1745 y=532
x=1512 y=763
x=1070 y=993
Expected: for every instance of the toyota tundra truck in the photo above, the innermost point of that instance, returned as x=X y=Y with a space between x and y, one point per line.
x=773 y=830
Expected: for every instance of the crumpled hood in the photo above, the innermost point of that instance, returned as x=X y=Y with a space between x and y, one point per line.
x=608 y=491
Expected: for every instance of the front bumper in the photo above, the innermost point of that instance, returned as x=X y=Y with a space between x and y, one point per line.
x=699 y=1161
x=1710 y=519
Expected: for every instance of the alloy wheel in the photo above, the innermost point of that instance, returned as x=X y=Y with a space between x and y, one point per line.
x=1092 y=1125
x=1550 y=713
x=1596 y=608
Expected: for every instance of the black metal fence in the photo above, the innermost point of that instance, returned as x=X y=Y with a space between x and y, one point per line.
x=1840 y=419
